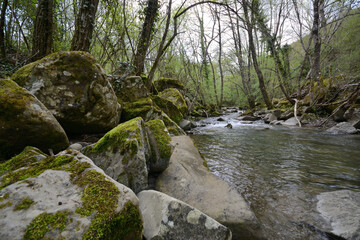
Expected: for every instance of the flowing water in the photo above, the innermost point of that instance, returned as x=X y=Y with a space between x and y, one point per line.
x=280 y=170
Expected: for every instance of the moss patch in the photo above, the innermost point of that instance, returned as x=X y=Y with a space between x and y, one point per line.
x=25 y=204
x=100 y=196
x=162 y=138
x=46 y=222
x=22 y=75
x=126 y=136
x=169 y=108
x=5 y=205
x=140 y=108
x=176 y=98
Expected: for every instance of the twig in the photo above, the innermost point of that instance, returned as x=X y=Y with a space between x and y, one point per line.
x=295 y=111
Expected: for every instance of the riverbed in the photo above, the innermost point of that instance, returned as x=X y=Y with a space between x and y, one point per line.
x=280 y=170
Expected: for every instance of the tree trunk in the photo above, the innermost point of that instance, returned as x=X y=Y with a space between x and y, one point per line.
x=84 y=25
x=220 y=62
x=317 y=41
x=254 y=57
x=43 y=30
x=145 y=37
x=2 y=25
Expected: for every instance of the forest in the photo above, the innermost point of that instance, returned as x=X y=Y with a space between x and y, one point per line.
x=232 y=53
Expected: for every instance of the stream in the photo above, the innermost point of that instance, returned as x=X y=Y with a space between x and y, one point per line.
x=280 y=170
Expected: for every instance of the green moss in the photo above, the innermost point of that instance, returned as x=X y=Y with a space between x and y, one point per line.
x=169 y=108
x=162 y=138
x=164 y=83
x=140 y=108
x=46 y=222
x=5 y=205
x=100 y=196
x=6 y=196
x=22 y=75
x=25 y=204
x=176 y=98
x=123 y=136
x=34 y=169
x=24 y=158
x=13 y=99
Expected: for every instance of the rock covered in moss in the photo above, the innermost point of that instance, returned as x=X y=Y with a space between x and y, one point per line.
x=64 y=197
x=169 y=108
x=75 y=89
x=123 y=154
x=164 y=83
x=168 y=218
x=188 y=179
x=176 y=98
x=161 y=148
x=25 y=121
x=148 y=110
x=129 y=89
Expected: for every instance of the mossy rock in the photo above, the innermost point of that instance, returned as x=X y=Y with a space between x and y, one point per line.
x=123 y=153
x=161 y=148
x=144 y=108
x=75 y=89
x=65 y=197
x=169 y=108
x=165 y=83
x=129 y=89
x=25 y=121
x=176 y=98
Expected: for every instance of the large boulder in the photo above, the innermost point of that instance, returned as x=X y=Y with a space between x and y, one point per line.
x=176 y=98
x=129 y=89
x=148 y=110
x=290 y=122
x=123 y=154
x=25 y=121
x=168 y=218
x=75 y=89
x=161 y=149
x=341 y=209
x=342 y=128
x=188 y=179
x=64 y=197
x=164 y=83
x=169 y=108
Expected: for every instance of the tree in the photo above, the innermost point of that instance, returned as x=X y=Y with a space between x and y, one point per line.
x=43 y=30
x=2 y=24
x=84 y=25
x=151 y=12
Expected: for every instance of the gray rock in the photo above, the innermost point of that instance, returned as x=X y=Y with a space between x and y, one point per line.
x=352 y=114
x=290 y=122
x=249 y=118
x=276 y=122
x=75 y=90
x=269 y=118
x=342 y=210
x=123 y=154
x=25 y=121
x=342 y=128
x=276 y=112
x=75 y=146
x=188 y=180
x=286 y=115
x=129 y=89
x=161 y=149
x=168 y=218
x=67 y=200
x=185 y=124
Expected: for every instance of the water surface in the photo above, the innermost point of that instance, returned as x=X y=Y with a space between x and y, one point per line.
x=281 y=170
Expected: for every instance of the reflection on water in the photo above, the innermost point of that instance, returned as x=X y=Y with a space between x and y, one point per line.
x=280 y=170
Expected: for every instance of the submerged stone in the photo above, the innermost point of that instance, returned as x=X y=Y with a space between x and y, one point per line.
x=75 y=89
x=25 y=121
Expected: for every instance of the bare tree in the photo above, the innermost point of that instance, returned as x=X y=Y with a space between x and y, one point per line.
x=2 y=24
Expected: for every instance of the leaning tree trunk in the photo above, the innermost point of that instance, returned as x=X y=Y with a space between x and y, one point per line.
x=84 y=25
x=145 y=37
x=43 y=30
x=2 y=24
x=254 y=57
